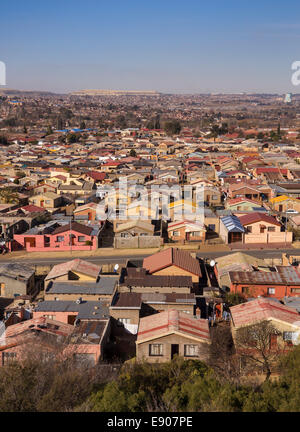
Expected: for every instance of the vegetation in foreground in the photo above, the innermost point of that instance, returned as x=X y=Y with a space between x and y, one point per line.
x=175 y=386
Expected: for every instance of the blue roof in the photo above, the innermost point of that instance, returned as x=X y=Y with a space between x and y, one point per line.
x=232 y=224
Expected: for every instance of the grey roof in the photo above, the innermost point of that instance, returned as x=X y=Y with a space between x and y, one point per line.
x=85 y=309
x=15 y=270
x=232 y=224
x=106 y=285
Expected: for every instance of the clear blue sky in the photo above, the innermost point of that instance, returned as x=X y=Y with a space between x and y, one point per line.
x=165 y=45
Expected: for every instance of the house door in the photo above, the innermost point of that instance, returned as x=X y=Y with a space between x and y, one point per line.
x=71 y=319
x=42 y=203
x=174 y=350
x=280 y=207
x=89 y=215
x=273 y=341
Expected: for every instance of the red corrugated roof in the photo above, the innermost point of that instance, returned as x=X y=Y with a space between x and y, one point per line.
x=262 y=309
x=172 y=321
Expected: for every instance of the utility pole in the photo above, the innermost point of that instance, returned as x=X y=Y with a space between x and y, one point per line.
x=71 y=235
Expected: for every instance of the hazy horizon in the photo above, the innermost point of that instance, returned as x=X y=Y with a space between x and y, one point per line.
x=171 y=47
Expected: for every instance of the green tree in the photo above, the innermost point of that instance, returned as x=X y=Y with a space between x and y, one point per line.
x=49 y=130
x=172 y=127
x=132 y=153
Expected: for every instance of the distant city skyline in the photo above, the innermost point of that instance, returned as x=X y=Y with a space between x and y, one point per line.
x=166 y=46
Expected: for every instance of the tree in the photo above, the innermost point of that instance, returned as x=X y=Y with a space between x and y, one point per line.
x=3 y=140
x=254 y=344
x=8 y=196
x=172 y=127
x=233 y=299
x=157 y=122
x=49 y=130
x=25 y=129
x=60 y=123
x=132 y=153
x=222 y=356
x=82 y=125
x=72 y=138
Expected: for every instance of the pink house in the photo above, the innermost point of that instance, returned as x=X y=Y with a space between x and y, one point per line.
x=84 y=343
x=55 y=236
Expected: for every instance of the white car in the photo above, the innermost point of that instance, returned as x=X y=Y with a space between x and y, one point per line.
x=291 y=211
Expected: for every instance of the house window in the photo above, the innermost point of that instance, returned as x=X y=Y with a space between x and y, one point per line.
x=124 y=235
x=143 y=234
x=176 y=233
x=47 y=201
x=214 y=197
x=81 y=238
x=288 y=336
x=245 y=290
x=50 y=316
x=271 y=229
x=8 y=357
x=191 y=350
x=125 y=320
x=212 y=227
x=2 y=289
x=195 y=233
x=271 y=290
x=156 y=349
x=249 y=229
x=60 y=238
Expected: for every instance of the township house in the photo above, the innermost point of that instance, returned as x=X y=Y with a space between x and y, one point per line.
x=261 y=228
x=128 y=307
x=16 y=280
x=283 y=282
x=55 y=236
x=167 y=334
x=285 y=320
x=135 y=233
x=173 y=262
x=283 y=203
x=47 y=200
x=186 y=231
x=255 y=227
x=43 y=337
x=87 y=212
x=79 y=279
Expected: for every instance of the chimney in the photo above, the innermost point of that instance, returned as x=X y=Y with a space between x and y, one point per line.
x=198 y=312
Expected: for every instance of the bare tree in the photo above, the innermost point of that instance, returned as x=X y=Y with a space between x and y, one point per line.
x=257 y=345
x=223 y=358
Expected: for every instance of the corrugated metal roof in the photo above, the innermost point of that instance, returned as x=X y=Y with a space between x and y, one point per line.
x=232 y=224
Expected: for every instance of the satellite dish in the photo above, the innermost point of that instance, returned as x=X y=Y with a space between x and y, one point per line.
x=212 y=263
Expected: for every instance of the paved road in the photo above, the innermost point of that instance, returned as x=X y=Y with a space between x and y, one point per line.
x=121 y=259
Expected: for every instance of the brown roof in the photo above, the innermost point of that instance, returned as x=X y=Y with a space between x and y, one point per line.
x=138 y=277
x=172 y=256
x=258 y=217
x=135 y=300
x=78 y=265
x=75 y=226
x=285 y=275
